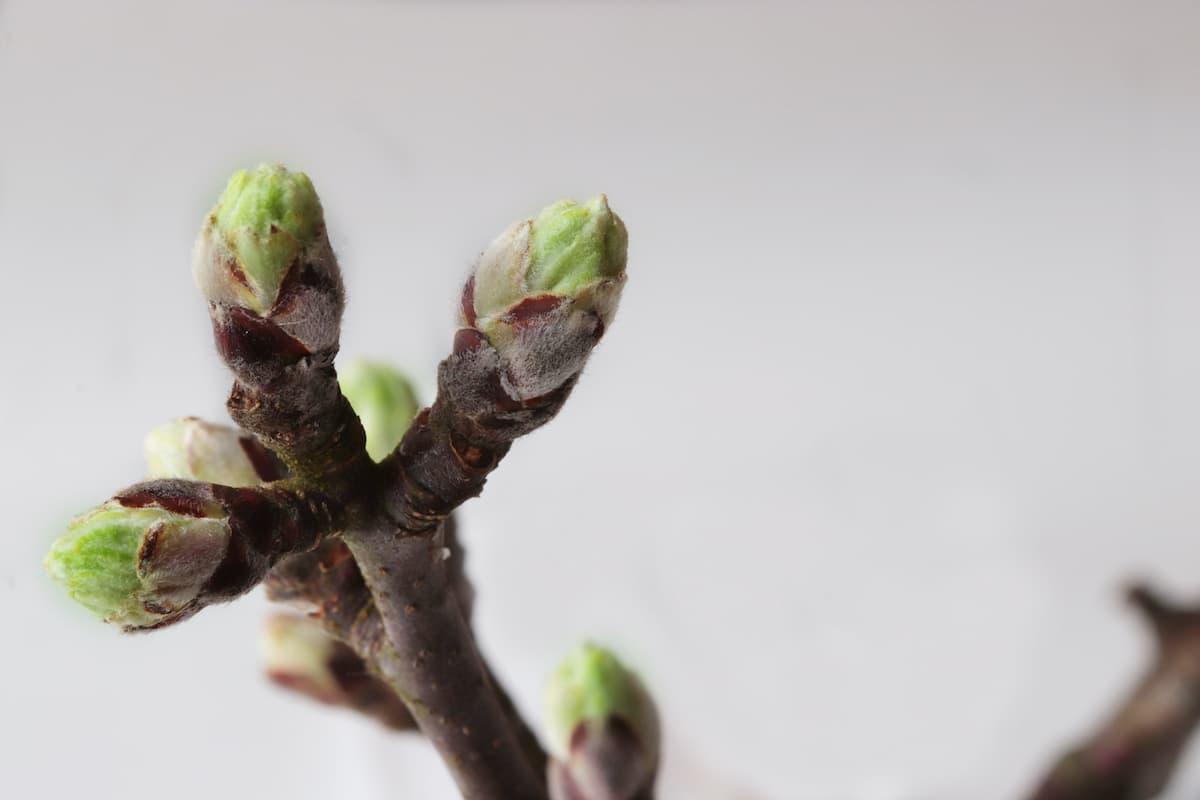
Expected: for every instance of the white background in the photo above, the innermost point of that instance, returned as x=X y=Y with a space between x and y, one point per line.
x=905 y=382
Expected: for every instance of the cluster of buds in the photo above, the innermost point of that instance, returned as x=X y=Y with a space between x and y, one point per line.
x=344 y=494
x=338 y=491
x=602 y=727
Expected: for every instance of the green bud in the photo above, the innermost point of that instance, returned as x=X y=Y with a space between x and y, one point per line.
x=197 y=450
x=137 y=566
x=572 y=245
x=259 y=228
x=297 y=653
x=384 y=401
x=570 y=250
x=590 y=686
x=545 y=291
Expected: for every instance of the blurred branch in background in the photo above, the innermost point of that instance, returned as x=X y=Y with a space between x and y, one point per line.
x=300 y=656
x=1133 y=755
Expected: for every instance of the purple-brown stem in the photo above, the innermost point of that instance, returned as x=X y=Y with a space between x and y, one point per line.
x=430 y=658
x=444 y=459
x=451 y=447
x=328 y=584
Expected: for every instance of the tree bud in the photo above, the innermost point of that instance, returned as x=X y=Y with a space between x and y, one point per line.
x=545 y=290
x=263 y=250
x=138 y=567
x=602 y=729
x=384 y=401
x=197 y=450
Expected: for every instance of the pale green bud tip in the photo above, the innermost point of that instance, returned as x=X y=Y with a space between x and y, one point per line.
x=270 y=197
x=296 y=651
x=573 y=244
x=384 y=401
x=591 y=684
x=96 y=562
x=193 y=449
x=572 y=250
x=265 y=218
x=101 y=563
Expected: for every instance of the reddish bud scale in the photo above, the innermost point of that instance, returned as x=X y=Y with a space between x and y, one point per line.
x=251 y=344
x=468 y=301
x=287 y=395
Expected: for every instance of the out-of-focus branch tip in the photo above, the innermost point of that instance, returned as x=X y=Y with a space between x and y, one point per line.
x=602 y=729
x=298 y=655
x=1133 y=754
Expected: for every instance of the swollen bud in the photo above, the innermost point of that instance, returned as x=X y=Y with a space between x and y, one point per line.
x=254 y=235
x=193 y=449
x=299 y=655
x=546 y=289
x=602 y=728
x=384 y=401
x=139 y=567
x=263 y=249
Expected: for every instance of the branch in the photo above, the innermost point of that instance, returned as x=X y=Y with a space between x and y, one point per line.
x=429 y=656
x=541 y=297
x=1134 y=753
x=264 y=262
x=276 y=326
x=328 y=584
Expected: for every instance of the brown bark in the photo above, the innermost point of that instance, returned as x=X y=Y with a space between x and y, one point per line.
x=328 y=584
x=429 y=657
x=451 y=447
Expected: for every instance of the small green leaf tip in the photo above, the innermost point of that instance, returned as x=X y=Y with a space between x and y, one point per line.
x=591 y=685
x=96 y=562
x=384 y=401
x=263 y=221
x=573 y=245
x=102 y=563
x=572 y=250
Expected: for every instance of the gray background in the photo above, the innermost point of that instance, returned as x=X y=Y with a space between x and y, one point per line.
x=905 y=383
